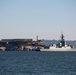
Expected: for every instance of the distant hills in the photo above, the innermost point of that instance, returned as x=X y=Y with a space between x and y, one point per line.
x=48 y=42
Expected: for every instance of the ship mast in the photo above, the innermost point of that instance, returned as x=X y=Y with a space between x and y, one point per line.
x=62 y=36
x=62 y=41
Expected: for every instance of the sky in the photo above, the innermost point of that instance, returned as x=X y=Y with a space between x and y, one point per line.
x=45 y=18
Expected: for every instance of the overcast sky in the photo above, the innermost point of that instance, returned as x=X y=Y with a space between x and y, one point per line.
x=45 y=18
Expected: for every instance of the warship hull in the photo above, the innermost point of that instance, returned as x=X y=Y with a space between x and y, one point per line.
x=58 y=49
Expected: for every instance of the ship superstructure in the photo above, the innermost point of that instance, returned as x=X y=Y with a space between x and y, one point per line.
x=61 y=45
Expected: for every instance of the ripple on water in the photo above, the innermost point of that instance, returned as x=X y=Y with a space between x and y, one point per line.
x=37 y=63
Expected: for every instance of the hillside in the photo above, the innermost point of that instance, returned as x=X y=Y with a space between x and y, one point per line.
x=48 y=42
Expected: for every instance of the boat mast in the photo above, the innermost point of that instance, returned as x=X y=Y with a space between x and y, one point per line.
x=62 y=41
x=62 y=36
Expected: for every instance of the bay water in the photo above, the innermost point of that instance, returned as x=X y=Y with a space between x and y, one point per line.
x=37 y=63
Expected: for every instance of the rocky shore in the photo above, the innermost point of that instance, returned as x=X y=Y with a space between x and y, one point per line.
x=21 y=45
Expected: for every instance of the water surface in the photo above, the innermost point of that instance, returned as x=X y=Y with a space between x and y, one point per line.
x=37 y=63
